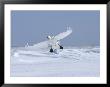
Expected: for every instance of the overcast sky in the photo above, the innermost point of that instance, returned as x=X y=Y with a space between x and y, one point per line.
x=34 y=26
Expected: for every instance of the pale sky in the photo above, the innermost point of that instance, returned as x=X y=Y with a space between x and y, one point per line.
x=34 y=26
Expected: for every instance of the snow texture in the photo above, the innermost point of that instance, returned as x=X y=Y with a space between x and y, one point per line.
x=69 y=62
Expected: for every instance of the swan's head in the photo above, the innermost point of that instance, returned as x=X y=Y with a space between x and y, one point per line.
x=49 y=37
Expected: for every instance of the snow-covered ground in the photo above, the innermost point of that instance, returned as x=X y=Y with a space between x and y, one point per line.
x=71 y=62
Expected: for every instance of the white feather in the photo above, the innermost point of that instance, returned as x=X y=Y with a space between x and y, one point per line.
x=63 y=34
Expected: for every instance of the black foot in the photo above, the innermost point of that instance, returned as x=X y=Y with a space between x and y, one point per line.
x=61 y=47
x=51 y=50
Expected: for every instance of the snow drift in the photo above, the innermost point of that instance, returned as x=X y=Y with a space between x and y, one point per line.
x=71 y=62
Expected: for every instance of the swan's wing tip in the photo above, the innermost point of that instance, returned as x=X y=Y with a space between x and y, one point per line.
x=69 y=28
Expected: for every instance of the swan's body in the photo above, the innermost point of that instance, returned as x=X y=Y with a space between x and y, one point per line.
x=53 y=42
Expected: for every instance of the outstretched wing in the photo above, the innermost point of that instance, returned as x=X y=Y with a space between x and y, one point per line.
x=43 y=44
x=63 y=34
x=40 y=45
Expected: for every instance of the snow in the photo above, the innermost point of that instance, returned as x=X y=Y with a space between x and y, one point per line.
x=69 y=62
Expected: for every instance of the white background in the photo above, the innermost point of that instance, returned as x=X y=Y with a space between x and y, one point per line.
x=63 y=80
